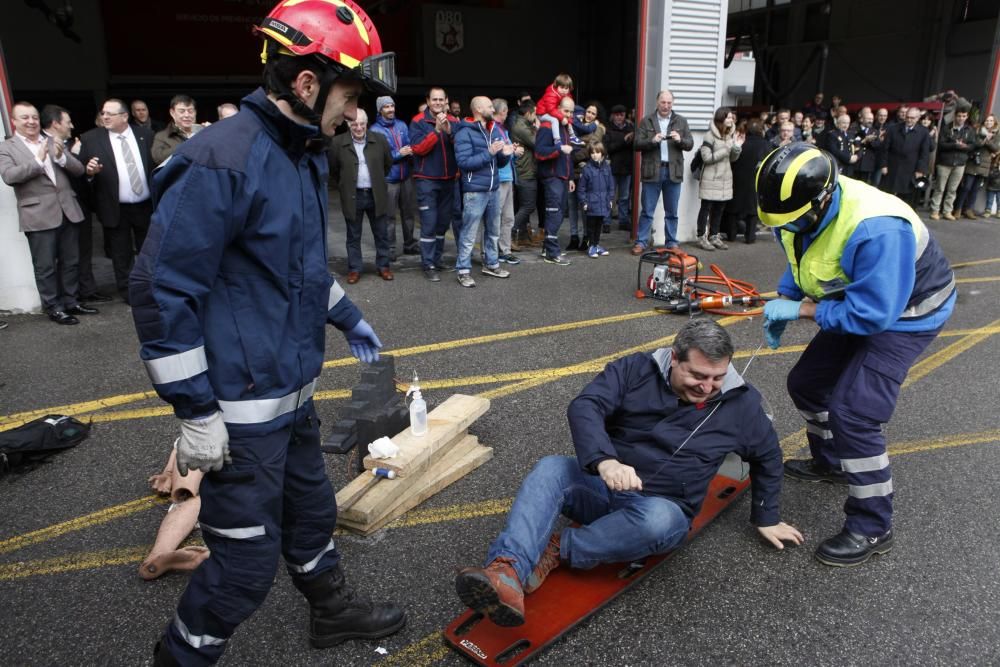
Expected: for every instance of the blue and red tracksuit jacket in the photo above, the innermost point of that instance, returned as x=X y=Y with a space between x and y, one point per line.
x=398 y=135
x=552 y=162
x=434 y=151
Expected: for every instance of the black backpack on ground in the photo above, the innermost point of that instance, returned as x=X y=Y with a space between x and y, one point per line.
x=39 y=438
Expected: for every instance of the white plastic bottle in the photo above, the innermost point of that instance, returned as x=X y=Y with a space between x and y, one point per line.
x=418 y=408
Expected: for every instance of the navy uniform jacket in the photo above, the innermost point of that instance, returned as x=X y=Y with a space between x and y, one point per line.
x=629 y=412
x=231 y=292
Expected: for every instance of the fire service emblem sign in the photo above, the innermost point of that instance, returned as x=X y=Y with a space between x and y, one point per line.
x=449 y=35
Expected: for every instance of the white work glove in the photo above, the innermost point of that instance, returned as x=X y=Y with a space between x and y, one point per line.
x=203 y=445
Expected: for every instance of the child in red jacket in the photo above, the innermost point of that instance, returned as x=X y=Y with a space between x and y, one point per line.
x=547 y=108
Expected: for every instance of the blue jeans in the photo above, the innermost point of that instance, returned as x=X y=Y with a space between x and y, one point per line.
x=435 y=204
x=555 y=204
x=992 y=197
x=623 y=184
x=365 y=205
x=476 y=205
x=614 y=526
x=650 y=195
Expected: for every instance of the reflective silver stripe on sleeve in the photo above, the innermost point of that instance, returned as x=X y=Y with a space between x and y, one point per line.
x=262 y=410
x=820 y=431
x=197 y=641
x=815 y=416
x=336 y=294
x=177 y=367
x=870 y=490
x=931 y=303
x=311 y=565
x=870 y=464
x=234 y=533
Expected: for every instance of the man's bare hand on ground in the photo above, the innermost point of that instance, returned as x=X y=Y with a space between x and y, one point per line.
x=780 y=533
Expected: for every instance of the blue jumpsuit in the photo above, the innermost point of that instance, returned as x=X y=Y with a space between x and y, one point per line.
x=847 y=381
x=230 y=295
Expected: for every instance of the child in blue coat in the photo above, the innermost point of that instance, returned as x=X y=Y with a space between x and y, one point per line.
x=595 y=192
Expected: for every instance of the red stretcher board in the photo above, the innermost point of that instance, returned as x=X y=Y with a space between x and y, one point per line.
x=570 y=596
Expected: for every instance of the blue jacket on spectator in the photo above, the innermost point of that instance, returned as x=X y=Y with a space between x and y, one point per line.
x=479 y=169
x=552 y=162
x=398 y=135
x=507 y=170
x=596 y=188
x=233 y=242
x=629 y=412
x=434 y=151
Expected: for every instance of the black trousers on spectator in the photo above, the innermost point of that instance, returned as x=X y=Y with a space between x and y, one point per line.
x=54 y=255
x=87 y=284
x=593 y=229
x=527 y=193
x=129 y=234
x=731 y=223
x=710 y=216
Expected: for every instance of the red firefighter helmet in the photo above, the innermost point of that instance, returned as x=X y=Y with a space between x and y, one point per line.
x=338 y=32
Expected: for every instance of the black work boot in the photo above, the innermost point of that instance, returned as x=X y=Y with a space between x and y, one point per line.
x=847 y=549
x=162 y=657
x=811 y=470
x=337 y=613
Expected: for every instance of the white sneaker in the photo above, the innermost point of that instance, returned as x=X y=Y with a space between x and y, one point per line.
x=704 y=244
x=716 y=240
x=496 y=272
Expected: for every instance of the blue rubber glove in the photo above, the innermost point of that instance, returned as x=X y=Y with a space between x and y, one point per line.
x=363 y=342
x=772 y=332
x=781 y=310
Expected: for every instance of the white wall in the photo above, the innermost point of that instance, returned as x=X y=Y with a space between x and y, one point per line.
x=17 y=277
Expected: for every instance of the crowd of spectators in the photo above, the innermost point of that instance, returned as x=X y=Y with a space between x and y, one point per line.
x=504 y=175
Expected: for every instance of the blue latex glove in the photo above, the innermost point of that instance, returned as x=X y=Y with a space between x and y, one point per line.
x=772 y=332
x=781 y=310
x=363 y=342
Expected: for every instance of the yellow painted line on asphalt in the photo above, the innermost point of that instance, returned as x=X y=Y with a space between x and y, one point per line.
x=977 y=262
x=452 y=513
x=93 y=519
x=422 y=653
x=504 y=336
x=946 y=354
x=792 y=444
x=16 y=419
x=987 y=279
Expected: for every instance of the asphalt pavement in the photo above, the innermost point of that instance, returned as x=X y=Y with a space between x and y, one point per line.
x=74 y=529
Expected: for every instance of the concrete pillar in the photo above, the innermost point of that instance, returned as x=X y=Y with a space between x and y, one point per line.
x=682 y=45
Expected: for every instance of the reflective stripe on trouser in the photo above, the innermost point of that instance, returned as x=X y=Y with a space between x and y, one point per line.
x=855 y=380
x=555 y=204
x=274 y=499
x=435 y=203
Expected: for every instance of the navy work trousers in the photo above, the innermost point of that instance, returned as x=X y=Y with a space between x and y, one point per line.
x=273 y=499
x=846 y=387
x=556 y=190
x=435 y=204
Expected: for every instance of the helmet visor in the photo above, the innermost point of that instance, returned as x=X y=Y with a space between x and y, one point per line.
x=379 y=73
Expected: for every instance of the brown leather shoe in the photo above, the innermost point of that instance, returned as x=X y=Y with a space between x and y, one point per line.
x=970 y=214
x=935 y=215
x=386 y=274
x=949 y=216
x=548 y=562
x=353 y=277
x=638 y=250
x=493 y=591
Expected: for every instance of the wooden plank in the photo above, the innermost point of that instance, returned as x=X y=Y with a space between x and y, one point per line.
x=444 y=422
x=445 y=473
x=356 y=488
x=377 y=499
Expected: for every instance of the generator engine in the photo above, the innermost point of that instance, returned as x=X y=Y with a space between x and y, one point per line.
x=673 y=272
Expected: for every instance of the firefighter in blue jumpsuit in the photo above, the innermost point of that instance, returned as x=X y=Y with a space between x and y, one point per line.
x=230 y=296
x=863 y=266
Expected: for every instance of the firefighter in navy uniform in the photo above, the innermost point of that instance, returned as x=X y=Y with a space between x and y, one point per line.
x=863 y=266
x=230 y=297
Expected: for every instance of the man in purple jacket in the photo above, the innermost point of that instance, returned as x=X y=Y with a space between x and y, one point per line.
x=650 y=433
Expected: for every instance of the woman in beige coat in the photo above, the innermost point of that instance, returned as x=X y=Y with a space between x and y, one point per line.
x=721 y=146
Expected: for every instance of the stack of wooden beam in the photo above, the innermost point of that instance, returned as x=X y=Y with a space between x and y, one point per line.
x=423 y=466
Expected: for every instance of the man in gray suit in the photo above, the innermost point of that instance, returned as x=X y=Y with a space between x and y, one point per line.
x=36 y=166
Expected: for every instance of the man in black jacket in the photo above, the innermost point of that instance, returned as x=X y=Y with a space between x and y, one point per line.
x=650 y=432
x=905 y=156
x=955 y=145
x=618 y=138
